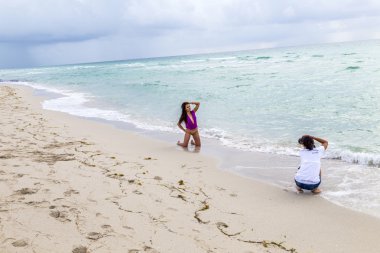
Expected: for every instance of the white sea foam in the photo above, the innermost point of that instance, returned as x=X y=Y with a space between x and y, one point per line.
x=34 y=72
x=222 y=58
x=78 y=67
x=246 y=143
x=74 y=103
x=370 y=159
x=353 y=186
x=43 y=87
x=193 y=61
x=130 y=65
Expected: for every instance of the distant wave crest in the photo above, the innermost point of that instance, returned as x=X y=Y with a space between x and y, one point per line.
x=352 y=68
x=263 y=58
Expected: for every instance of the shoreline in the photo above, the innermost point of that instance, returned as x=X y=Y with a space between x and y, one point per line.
x=110 y=189
x=120 y=120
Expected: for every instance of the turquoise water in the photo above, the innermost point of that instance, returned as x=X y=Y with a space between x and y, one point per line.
x=259 y=100
x=252 y=100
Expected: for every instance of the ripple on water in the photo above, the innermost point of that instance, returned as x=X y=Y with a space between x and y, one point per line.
x=263 y=58
x=352 y=68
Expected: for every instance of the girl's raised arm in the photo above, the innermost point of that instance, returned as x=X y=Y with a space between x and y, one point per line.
x=324 y=143
x=197 y=104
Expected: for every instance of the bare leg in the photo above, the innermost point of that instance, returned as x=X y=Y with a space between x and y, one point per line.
x=317 y=190
x=197 y=139
x=185 y=141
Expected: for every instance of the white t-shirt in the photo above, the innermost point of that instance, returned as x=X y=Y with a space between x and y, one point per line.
x=310 y=167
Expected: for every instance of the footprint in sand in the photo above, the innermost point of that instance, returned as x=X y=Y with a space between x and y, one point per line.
x=94 y=236
x=6 y=156
x=116 y=175
x=42 y=203
x=69 y=192
x=74 y=210
x=137 y=192
x=25 y=191
x=150 y=250
x=80 y=249
x=107 y=228
x=60 y=216
x=19 y=243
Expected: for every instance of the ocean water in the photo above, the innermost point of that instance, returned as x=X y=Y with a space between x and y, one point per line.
x=259 y=100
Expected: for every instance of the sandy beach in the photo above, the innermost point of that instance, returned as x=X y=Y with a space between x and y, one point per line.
x=69 y=184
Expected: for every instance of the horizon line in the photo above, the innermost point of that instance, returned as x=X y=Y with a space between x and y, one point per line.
x=186 y=55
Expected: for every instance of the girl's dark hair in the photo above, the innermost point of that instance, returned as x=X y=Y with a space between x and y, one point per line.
x=307 y=141
x=184 y=113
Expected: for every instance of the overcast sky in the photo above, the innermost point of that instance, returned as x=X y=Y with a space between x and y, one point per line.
x=50 y=32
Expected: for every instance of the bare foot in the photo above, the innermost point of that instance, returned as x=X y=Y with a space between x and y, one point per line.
x=316 y=191
x=299 y=190
x=181 y=144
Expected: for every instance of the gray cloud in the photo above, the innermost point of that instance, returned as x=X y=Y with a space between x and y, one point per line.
x=45 y=21
x=44 y=32
x=12 y=55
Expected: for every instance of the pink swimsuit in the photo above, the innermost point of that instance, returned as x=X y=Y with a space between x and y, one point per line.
x=189 y=124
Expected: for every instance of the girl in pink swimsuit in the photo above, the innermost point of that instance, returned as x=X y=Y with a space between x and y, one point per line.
x=188 y=116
